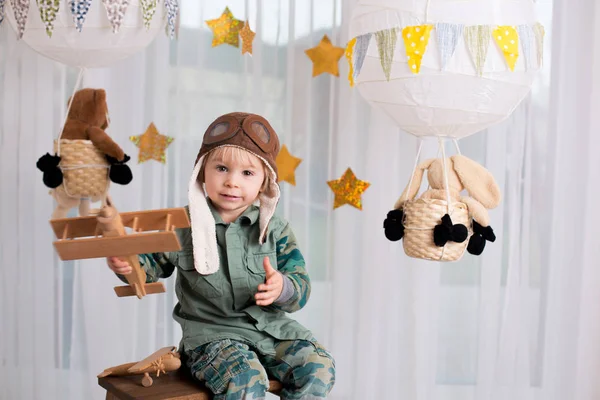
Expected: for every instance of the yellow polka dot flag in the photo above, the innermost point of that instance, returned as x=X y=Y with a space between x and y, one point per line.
x=349 y=53
x=508 y=41
x=416 y=39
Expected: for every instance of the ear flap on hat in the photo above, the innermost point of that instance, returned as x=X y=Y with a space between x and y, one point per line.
x=268 y=202
x=204 y=237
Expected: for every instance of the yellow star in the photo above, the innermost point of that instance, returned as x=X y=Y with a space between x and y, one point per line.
x=225 y=29
x=348 y=190
x=152 y=145
x=247 y=36
x=325 y=57
x=286 y=166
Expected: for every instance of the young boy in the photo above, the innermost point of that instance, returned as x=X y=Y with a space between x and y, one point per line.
x=239 y=271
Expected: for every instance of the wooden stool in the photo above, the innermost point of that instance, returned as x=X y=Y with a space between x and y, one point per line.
x=171 y=386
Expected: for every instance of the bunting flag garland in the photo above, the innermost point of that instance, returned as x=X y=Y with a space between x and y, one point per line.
x=539 y=32
x=526 y=38
x=115 y=11
x=348 y=190
x=48 y=10
x=478 y=42
x=21 y=9
x=386 y=42
x=247 y=36
x=447 y=39
x=348 y=53
x=508 y=41
x=148 y=10
x=172 y=7
x=2 y=4
x=225 y=29
x=79 y=10
x=416 y=39
x=360 y=52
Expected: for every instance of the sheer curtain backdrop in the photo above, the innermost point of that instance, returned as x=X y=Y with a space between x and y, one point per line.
x=519 y=322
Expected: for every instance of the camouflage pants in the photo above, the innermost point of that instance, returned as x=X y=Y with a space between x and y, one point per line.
x=232 y=371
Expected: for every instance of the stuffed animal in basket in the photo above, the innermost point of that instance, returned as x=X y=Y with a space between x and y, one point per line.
x=462 y=173
x=85 y=156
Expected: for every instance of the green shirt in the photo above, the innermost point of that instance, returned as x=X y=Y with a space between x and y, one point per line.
x=222 y=305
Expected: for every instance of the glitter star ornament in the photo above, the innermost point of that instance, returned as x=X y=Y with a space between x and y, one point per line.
x=152 y=145
x=247 y=36
x=286 y=166
x=226 y=29
x=348 y=190
x=325 y=57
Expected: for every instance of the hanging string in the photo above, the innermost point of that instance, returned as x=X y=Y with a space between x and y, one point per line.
x=441 y=144
x=75 y=89
x=456 y=146
x=412 y=176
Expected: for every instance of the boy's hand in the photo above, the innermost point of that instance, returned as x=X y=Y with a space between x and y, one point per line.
x=119 y=266
x=269 y=291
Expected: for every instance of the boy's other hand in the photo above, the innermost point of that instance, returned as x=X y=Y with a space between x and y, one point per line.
x=269 y=291
x=119 y=266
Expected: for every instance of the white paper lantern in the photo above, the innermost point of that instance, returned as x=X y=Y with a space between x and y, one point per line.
x=456 y=101
x=96 y=45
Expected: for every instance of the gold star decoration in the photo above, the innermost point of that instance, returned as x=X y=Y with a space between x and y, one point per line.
x=286 y=166
x=348 y=190
x=225 y=29
x=152 y=145
x=325 y=57
x=247 y=36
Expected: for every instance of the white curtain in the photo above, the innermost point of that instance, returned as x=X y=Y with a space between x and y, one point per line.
x=519 y=322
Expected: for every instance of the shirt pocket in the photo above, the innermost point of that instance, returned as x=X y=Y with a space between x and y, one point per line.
x=206 y=285
x=255 y=262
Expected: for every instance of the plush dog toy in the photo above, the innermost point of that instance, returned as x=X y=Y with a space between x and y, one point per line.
x=463 y=173
x=86 y=121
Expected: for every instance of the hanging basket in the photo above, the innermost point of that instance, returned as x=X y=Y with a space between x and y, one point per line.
x=420 y=218
x=85 y=169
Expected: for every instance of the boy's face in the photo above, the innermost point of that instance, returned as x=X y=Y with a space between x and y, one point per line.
x=233 y=185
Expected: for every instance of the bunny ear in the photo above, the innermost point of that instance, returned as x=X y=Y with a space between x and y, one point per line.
x=478 y=181
x=415 y=184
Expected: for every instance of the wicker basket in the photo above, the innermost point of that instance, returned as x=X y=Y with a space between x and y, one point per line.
x=420 y=218
x=85 y=169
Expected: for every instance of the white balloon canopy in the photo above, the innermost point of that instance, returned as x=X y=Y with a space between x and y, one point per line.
x=454 y=101
x=96 y=45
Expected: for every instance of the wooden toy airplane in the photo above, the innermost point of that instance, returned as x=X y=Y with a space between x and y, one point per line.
x=161 y=361
x=78 y=239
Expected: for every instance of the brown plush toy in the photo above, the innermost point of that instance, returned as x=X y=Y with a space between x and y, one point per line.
x=86 y=156
x=87 y=120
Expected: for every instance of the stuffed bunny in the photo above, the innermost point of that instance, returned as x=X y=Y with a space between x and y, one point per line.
x=462 y=173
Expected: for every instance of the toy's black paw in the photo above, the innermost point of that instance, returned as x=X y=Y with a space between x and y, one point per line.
x=48 y=164
x=119 y=172
x=480 y=236
x=447 y=232
x=394 y=230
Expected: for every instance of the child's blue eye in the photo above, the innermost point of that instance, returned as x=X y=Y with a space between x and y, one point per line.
x=221 y=168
